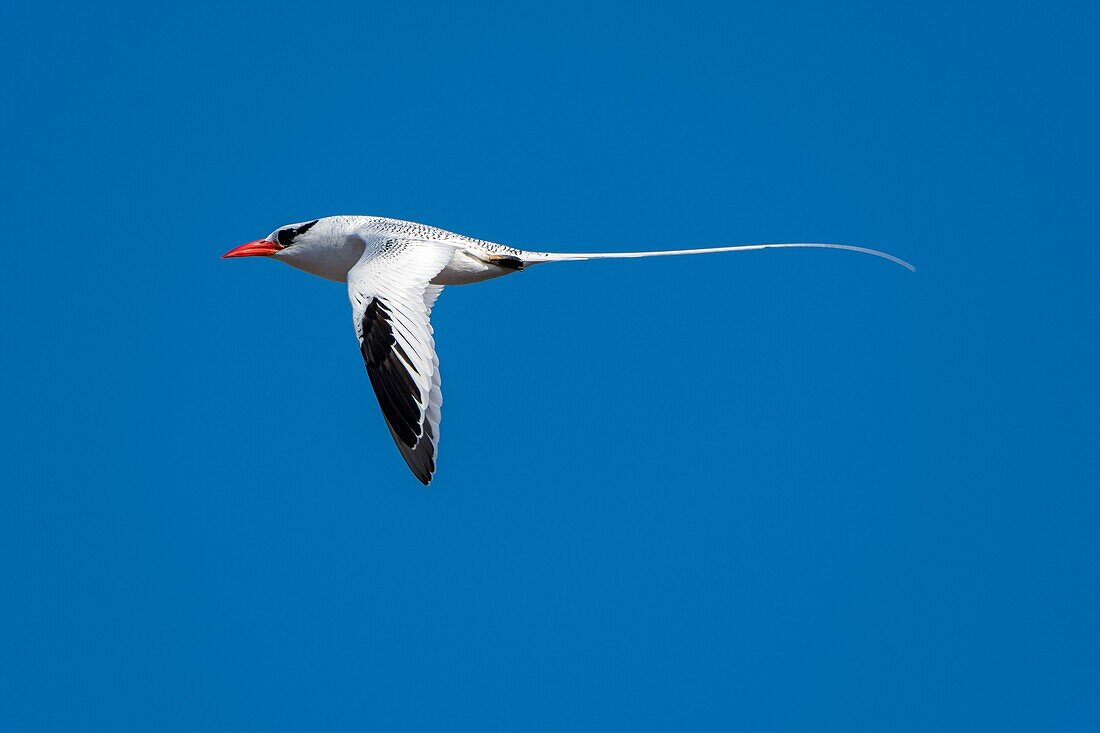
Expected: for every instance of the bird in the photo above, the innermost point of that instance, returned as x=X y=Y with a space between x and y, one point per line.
x=395 y=271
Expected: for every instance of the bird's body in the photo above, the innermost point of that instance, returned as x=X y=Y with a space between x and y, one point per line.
x=395 y=271
x=472 y=261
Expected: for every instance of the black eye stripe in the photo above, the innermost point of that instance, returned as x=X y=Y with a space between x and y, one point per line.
x=286 y=236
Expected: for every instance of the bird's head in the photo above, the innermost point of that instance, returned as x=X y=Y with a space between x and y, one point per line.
x=325 y=247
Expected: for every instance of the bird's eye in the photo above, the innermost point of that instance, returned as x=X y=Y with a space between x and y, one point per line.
x=286 y=236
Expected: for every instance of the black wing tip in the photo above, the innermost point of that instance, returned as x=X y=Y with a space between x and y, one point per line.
x=421 y=459
x=422 y=464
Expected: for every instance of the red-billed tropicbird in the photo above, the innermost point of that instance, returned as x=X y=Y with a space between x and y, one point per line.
x=395 y=270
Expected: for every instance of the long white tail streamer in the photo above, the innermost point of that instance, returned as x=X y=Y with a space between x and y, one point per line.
x=571 y=256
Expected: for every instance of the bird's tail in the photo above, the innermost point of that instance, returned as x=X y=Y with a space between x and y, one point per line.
x=570 y=256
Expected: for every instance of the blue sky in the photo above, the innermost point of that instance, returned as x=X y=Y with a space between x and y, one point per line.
x=772 y=490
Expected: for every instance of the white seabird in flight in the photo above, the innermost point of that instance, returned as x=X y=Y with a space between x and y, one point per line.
x=394 y=271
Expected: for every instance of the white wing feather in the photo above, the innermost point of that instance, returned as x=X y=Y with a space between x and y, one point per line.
x=391 y=299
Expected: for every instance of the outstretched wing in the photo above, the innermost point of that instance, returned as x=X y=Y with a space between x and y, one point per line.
x=391 y=302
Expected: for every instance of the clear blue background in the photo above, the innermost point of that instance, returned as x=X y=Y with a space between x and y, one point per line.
x=764 y=491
